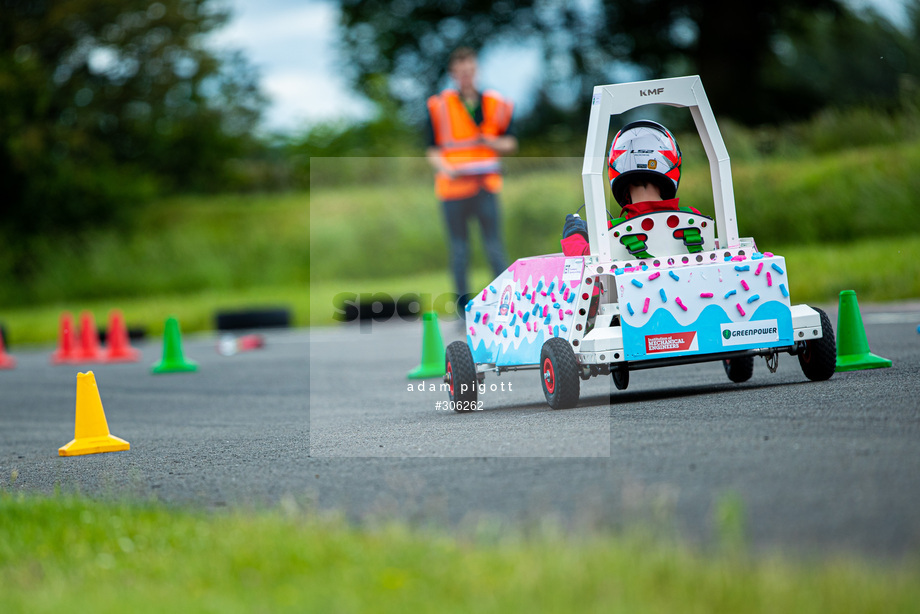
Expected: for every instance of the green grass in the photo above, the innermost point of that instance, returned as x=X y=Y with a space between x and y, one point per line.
x=393 y=229
x=182 y=245
x=878 y=269
x=195 y=311
x=843 y=219
x=65 y=551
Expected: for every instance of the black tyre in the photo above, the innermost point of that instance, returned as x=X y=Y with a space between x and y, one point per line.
x=460 y=376
x=253 y=318
x=620 y=375
x=819 y=358
x=559 y=374
x=739 y=369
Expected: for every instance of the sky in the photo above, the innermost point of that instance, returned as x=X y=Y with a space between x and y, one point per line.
x=292 y=42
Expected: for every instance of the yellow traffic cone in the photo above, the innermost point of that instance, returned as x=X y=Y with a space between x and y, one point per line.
x=91 y=431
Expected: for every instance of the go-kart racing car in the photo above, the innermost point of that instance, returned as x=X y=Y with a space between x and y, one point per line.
x=657 y=290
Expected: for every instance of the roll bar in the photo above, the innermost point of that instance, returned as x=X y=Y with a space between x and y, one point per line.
x=609 y=100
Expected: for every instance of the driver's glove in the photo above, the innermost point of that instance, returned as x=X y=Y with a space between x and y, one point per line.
x=574 y=224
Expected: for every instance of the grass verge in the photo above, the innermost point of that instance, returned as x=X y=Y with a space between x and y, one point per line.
x=394 y=228
x=142 y=557
x=878 y=269
x=195 y=311
x=371 y=230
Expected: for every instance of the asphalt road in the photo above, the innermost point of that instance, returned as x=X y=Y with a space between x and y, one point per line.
x=326 y=419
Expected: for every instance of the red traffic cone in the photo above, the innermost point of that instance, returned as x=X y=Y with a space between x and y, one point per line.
x=89 y=339
x=6 y=361
x=66 y=350
x=119 y=349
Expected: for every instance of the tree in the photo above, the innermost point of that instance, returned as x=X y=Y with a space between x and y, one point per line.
x=406 y=43
x=847 y=60
x=742 y=50
x=105 y=102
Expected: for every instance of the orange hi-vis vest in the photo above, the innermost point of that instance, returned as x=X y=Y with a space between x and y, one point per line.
x=458 y=137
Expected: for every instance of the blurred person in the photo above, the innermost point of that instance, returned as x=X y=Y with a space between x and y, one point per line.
x=468 y=133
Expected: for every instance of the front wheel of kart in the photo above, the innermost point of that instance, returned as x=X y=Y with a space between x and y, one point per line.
x=460 y=376
x=739 y=370
x=559 y=374
x=819 y=358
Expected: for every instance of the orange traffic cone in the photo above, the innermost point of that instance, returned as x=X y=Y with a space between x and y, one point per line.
x=120 y=349
x=89 y=339
x=66 y=350
x=6 y=361
x=91 y=431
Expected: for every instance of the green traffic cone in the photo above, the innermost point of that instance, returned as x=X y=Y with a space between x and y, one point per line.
x=852 y=346
x=173 y=361
x=432 y=349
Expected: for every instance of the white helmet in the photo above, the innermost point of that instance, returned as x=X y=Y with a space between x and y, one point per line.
x=643 y=150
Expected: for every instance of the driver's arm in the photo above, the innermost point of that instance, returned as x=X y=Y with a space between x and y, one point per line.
x=504 y=145
x=438 y=163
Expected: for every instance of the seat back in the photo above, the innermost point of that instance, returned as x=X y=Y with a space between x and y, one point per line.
x=661 y=234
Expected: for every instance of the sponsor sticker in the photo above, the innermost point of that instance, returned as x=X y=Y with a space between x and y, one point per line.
x=573 y=269
x=673 y=342
x=504 y=305
x=744 y=333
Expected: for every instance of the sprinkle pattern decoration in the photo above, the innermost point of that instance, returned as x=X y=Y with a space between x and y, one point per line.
x=730 y=285
x=512 y=334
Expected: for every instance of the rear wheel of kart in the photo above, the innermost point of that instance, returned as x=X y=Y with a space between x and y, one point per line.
x=460 y=376
x=559 y=374
x=620 y=375
x=819 y=358
x=739 y=369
